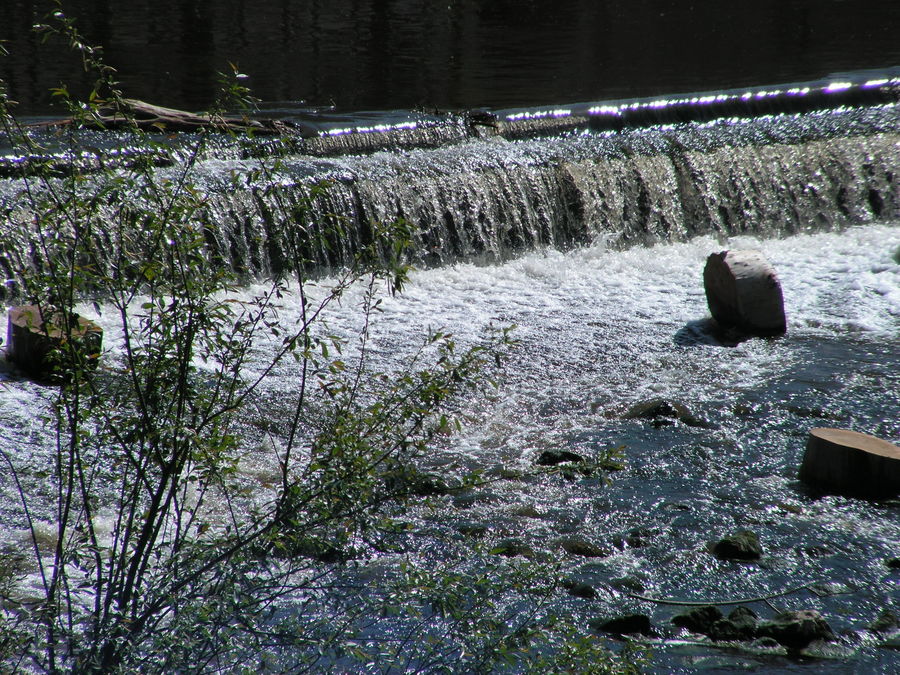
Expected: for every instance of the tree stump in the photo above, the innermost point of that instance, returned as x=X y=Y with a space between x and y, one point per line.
x=840 y=461
x=743 y=292
x=36 y=346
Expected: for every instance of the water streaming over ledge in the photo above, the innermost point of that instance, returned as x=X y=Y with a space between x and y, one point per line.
x=488 y=200
x=493 y=185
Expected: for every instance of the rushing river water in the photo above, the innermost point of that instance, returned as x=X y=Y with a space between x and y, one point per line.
x=601 y=330
x=592 y=242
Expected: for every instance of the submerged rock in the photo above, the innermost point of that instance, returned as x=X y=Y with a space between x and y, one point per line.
x=662 y=412
x=699 y=619
x=886 y=621
x=579 y=589
x=582 y=547
x=554 y=457
x=795 y=630
x=624 y=625
x=511 y=548
x=743 y=545
x=739 y=626
x=473 y=529
x=408 y=481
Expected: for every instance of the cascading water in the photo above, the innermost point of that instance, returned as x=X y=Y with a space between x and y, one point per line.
x=492 y=199
x=592 y=242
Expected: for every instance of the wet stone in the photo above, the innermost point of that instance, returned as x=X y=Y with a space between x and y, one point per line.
x=474 y=530
x=766 y=643
x=887 y=621
x=579 y=589
x=725 y=630
x=640 y=537
x=623 y=625
x=743 y=545
x=511 y=548
x=628 y=585
x=699 y=619
x=582 y=547
x=527 y=511
x=554 y=457
x=739 y=626
x=795 y=630
x=661 y=412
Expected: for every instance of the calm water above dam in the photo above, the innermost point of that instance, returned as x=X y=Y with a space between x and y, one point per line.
x=390 y=54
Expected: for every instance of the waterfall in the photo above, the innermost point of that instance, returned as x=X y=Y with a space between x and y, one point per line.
x=490 y=199
x=486 y=191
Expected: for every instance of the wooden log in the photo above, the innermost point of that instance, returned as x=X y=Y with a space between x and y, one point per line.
x=35 y=345
x=743 y=292
x=840 y=461
x=155 y=118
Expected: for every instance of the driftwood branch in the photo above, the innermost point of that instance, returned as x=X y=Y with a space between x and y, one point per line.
x=151 y=117
x=703 y=603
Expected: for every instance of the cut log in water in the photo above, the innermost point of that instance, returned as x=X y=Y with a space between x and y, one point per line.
x=840 y=461
x=743 y=292
x=34 y=345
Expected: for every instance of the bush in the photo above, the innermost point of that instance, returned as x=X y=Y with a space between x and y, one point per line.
x=155 y=436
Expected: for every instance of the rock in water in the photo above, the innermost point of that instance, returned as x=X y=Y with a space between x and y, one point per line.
x=624 y=625
x=850 y=463
x=795 y=630
x=698 y=619
x=743 y=545
x=743 y=292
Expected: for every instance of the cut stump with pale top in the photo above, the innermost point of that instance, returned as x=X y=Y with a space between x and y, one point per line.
x=743 y=292
x=850 y=463
x=34 y=344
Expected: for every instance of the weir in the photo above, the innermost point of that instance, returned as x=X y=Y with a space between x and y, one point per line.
x=486 y=187
x=488 y=200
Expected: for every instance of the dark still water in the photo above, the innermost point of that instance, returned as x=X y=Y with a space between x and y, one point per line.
x=390 y=54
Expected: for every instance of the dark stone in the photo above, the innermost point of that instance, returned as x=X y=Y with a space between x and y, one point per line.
x=554 y=457
x=624 y=625
x=406 y=481
x=510 y=548
x=628 y=585
x=886 y=621
x=893 y=563
x=661 y=412
x=527 y=511
x=472 y=529
x=740 y=625
x=724 y=630
x=640 y=537
x=743 y=545
x=766 y=643
x=795 y=630
x=317 y=549
x=575 y=546
x=698 y=619
x=744 y=618
x=579 y=589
